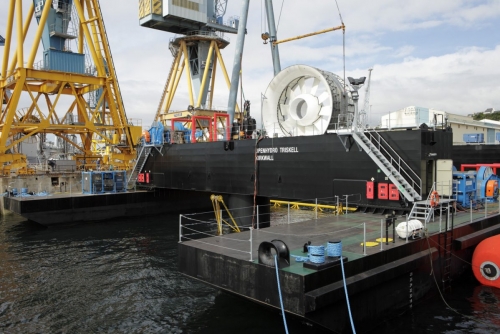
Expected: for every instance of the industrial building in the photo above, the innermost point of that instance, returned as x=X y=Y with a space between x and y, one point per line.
x=465 y=129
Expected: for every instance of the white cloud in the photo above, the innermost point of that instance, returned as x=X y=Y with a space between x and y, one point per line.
x=379 y=34
x=403 y=51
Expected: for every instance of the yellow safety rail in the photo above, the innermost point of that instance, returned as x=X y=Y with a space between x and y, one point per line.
x=320 y=207
x=216 y=200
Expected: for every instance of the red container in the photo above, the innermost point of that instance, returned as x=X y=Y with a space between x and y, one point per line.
x=393 y=192
x=370 y=190
x=140 y=177
x=383 y=191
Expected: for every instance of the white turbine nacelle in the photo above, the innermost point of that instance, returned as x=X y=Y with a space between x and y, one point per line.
x=303 y=101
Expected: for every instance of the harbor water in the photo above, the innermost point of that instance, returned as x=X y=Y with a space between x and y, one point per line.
x=120 y=276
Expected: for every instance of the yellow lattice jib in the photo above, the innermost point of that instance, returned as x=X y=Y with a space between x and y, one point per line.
x=187 y=4
x=144 y=8
x=76 y=121
x=157 y=7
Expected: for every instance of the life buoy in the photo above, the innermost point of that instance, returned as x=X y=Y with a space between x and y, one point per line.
x=434 y=199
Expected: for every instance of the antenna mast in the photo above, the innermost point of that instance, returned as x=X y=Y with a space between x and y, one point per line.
x=366 y=105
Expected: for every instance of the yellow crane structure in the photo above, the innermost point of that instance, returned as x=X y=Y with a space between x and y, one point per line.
x=57 y=90
x=196 y=51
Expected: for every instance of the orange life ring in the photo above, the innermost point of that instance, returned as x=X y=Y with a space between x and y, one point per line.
x=434 y=199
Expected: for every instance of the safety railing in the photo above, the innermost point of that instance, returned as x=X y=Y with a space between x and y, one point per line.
x=202 y=225
x=395 y=159
x=204 y=33
x=253 y=222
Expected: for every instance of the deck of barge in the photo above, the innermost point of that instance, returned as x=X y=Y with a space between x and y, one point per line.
x=389 y=276
x=348 y=228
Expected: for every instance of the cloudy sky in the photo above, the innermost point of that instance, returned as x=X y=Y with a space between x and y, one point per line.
x=441 y=54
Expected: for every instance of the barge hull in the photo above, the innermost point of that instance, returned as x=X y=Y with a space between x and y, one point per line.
x=381 y=284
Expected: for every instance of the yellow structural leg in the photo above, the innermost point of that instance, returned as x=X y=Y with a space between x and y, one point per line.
x=46 y=89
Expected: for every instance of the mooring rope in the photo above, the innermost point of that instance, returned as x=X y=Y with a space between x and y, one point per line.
x=335 y=249
x=316 y=254
x=279 y=290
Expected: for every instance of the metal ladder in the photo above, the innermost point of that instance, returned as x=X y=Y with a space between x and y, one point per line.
x=446 y=242
x=142 y=157
x=393 y=166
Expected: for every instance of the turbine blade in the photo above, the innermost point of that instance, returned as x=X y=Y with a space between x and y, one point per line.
x=301 y=85
x=320 y=126
x=285 y=109
x=314 y=87
x=325 y=110
x=323 y=97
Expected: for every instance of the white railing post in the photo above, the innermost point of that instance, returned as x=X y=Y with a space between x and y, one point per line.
x=288 y=212
x=337 y=205
x=406 y=228
x=448 y=214
x=440 y=215
x=346 y=204
x=364 y=239
x=258 y=222
x=251 y=244
x=381 y=234
x=470 y=201
x=316 y=208
x=180 y=228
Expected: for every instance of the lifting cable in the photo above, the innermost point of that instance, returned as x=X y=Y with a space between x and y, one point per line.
x=279 y=17
x=343 y=43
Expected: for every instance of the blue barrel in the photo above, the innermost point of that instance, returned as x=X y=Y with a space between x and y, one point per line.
x=24 y=191
x=14 y=191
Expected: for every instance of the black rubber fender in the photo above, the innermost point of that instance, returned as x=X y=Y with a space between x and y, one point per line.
x=266 y=255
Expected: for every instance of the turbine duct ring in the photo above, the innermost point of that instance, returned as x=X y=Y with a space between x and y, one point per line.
x=303 y=101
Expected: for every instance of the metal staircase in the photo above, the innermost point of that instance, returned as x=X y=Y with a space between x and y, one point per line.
x=142 y=157
x=399 y=172
x=422 y=211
